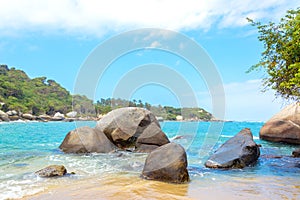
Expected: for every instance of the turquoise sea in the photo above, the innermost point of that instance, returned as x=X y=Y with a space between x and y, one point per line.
x=26 y=147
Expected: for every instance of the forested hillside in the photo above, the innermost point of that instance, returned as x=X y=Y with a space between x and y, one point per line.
x=37 y=96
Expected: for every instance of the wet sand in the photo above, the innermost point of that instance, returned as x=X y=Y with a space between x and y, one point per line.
x=132 y=187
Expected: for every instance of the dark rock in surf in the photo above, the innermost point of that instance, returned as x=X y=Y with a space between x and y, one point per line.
x=238 y=152
x=167 y=163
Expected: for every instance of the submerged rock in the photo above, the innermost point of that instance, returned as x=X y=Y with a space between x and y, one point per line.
x=167 y=163
x=124 y=127
x=284 y=126
x=51 y=171
x=237 y=152
x=86 y=140
x=296 y=153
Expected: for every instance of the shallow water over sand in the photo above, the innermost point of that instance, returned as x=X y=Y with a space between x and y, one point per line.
x=28 y=147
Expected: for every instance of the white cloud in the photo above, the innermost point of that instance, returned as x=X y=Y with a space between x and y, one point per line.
x=94 y=17
x=155 y=44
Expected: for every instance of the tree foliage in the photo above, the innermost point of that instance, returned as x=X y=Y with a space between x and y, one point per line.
x=36 y=96
x=281 y=55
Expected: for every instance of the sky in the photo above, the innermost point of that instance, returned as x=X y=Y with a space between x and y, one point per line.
x=59 y=38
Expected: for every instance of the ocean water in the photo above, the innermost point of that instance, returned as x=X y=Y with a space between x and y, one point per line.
x=28 y=147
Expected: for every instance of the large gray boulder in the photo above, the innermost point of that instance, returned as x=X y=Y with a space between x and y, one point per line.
x=52 y=170
x=86 y=140
x=4 y=116
x=237 y=152
x=124 y=126
x=167 y=163
x=284 y=126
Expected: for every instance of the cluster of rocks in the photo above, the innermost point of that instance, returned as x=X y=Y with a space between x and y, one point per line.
x=13 y=115
x=137 y=130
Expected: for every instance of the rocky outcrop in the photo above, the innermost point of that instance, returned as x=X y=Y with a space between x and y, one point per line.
x=167 y=163
x=51 y=171
x=124 y=126
x=86 y=140
x=4 y=116
x=296 y=153
x=237 y=152
x=284 y=126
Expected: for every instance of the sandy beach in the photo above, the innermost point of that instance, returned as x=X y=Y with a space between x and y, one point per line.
x=124 y=186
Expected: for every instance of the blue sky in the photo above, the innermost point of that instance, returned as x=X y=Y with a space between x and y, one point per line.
x=55 y=38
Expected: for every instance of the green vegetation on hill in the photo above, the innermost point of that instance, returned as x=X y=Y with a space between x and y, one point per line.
x=41 y=96
x=37 y=96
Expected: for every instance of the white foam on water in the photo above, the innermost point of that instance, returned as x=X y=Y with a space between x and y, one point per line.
x=12 y=189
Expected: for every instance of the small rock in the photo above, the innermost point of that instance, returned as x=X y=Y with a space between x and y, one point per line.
x=296 y=153
x=14 y=117
x=60 y=115
x=51 y=171
x=4 y=116
x=28 y=116
x=12 y=112
x=71 y=114
x=44 y=117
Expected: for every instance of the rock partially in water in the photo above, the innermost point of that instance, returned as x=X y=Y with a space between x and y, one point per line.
x=296 y=153
x=167 y=163
x=51 y=171
x=86 y=140
x=284 y=126
x=238 y=152
x=124 y=126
